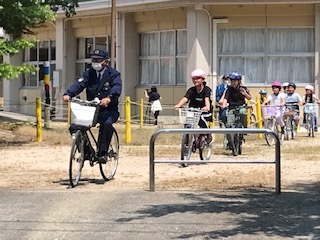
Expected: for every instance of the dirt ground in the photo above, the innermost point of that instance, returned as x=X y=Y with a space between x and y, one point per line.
x=41 y=166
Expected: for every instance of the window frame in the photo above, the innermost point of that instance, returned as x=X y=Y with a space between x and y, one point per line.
x=267 y=54
x=26 y=77
x=159 y=58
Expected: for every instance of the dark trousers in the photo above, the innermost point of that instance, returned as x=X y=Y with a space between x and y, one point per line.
x=156 y=114
x=106 y=119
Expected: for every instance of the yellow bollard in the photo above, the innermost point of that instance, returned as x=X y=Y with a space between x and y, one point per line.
x=259 y=117
x=141 y=113
x=39 y=120
x=127 y=120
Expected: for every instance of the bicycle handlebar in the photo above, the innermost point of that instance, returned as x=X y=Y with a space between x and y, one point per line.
x=93 y=102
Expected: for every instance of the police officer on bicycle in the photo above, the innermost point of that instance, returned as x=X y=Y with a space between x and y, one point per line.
x=105 y=83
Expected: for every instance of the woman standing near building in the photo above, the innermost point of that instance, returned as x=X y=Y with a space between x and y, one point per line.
x=154 y=100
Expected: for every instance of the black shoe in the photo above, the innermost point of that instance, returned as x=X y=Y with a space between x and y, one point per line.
x=87 y=156
x=103 y=158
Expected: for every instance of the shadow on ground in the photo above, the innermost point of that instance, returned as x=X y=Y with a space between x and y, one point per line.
x=293 y=214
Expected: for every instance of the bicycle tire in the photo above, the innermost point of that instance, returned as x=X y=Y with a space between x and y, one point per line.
x=76 y=159
x=186 y=148
x=308 y=125
x=288 y=129
x=312 y=125
x=205 y=150
x=293 y=132
x=109 y=169
x=253 y=120
x=234 y=140
x=270 y=124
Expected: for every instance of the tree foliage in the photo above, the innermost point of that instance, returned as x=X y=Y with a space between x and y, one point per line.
x=20 y=17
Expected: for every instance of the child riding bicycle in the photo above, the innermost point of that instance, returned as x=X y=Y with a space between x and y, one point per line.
x=310 y=97
x=199 y=96
x=235 y=95
x=293 y=100
x=277 y=99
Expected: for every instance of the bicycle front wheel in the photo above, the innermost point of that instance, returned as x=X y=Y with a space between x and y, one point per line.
x=235 y=143
x=108 y=169
x=205 y=150
x=76 y=159
x=186 y=148
x=269 y=124
x=311 y=125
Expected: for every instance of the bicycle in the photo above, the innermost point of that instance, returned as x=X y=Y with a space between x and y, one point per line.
x=190 y=117
x=270 y=113
x=235 y=140
x=251 y=115
x=84 y=114
x=310 y=109
x=289 y=113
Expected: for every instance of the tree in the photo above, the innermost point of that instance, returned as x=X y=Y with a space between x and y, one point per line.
x=18 y=18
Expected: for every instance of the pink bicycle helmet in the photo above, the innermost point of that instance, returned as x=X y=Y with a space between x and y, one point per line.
x=276 y=84
x=198 y=73
x=309 y=87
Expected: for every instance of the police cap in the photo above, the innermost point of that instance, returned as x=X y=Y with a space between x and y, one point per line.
x=100 y=53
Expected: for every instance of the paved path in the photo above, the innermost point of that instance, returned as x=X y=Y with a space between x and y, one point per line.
x=83 y=214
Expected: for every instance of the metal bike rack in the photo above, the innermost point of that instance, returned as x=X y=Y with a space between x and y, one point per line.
x=152 y=161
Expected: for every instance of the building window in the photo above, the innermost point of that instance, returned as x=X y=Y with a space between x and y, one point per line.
x=85 y=47
x=264 y=55
x=162 y=59
x=42 y=51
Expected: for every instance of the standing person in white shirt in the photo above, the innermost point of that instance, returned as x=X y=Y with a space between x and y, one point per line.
x=277 y=99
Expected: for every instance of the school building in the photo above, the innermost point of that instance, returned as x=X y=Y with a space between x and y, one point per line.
x=160 y=42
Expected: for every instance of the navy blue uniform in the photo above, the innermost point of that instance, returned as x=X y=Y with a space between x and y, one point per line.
x=109 y=85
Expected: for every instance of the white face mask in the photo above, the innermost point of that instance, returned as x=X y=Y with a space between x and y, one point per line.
x=97 y=66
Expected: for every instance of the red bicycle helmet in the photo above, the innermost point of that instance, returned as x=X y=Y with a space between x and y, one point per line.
x=276 y=84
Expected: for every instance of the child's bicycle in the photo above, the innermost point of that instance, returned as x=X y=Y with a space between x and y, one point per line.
x=289 y=113
x=310 y=109
x=190 y=143
x=235 y=140
x=270 y=113
x=84 y=114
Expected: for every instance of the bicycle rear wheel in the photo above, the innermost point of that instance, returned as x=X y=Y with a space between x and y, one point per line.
x=76 y=159
x=186 y=148
x=108 y=169
x=270 y=124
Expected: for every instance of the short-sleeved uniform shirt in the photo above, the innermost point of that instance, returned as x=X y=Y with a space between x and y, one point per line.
x=197 y=100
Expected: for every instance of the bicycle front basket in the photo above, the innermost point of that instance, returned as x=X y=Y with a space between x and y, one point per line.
x=310 y=108
x=189 y=116
x=84 y=115
x=269 y=111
